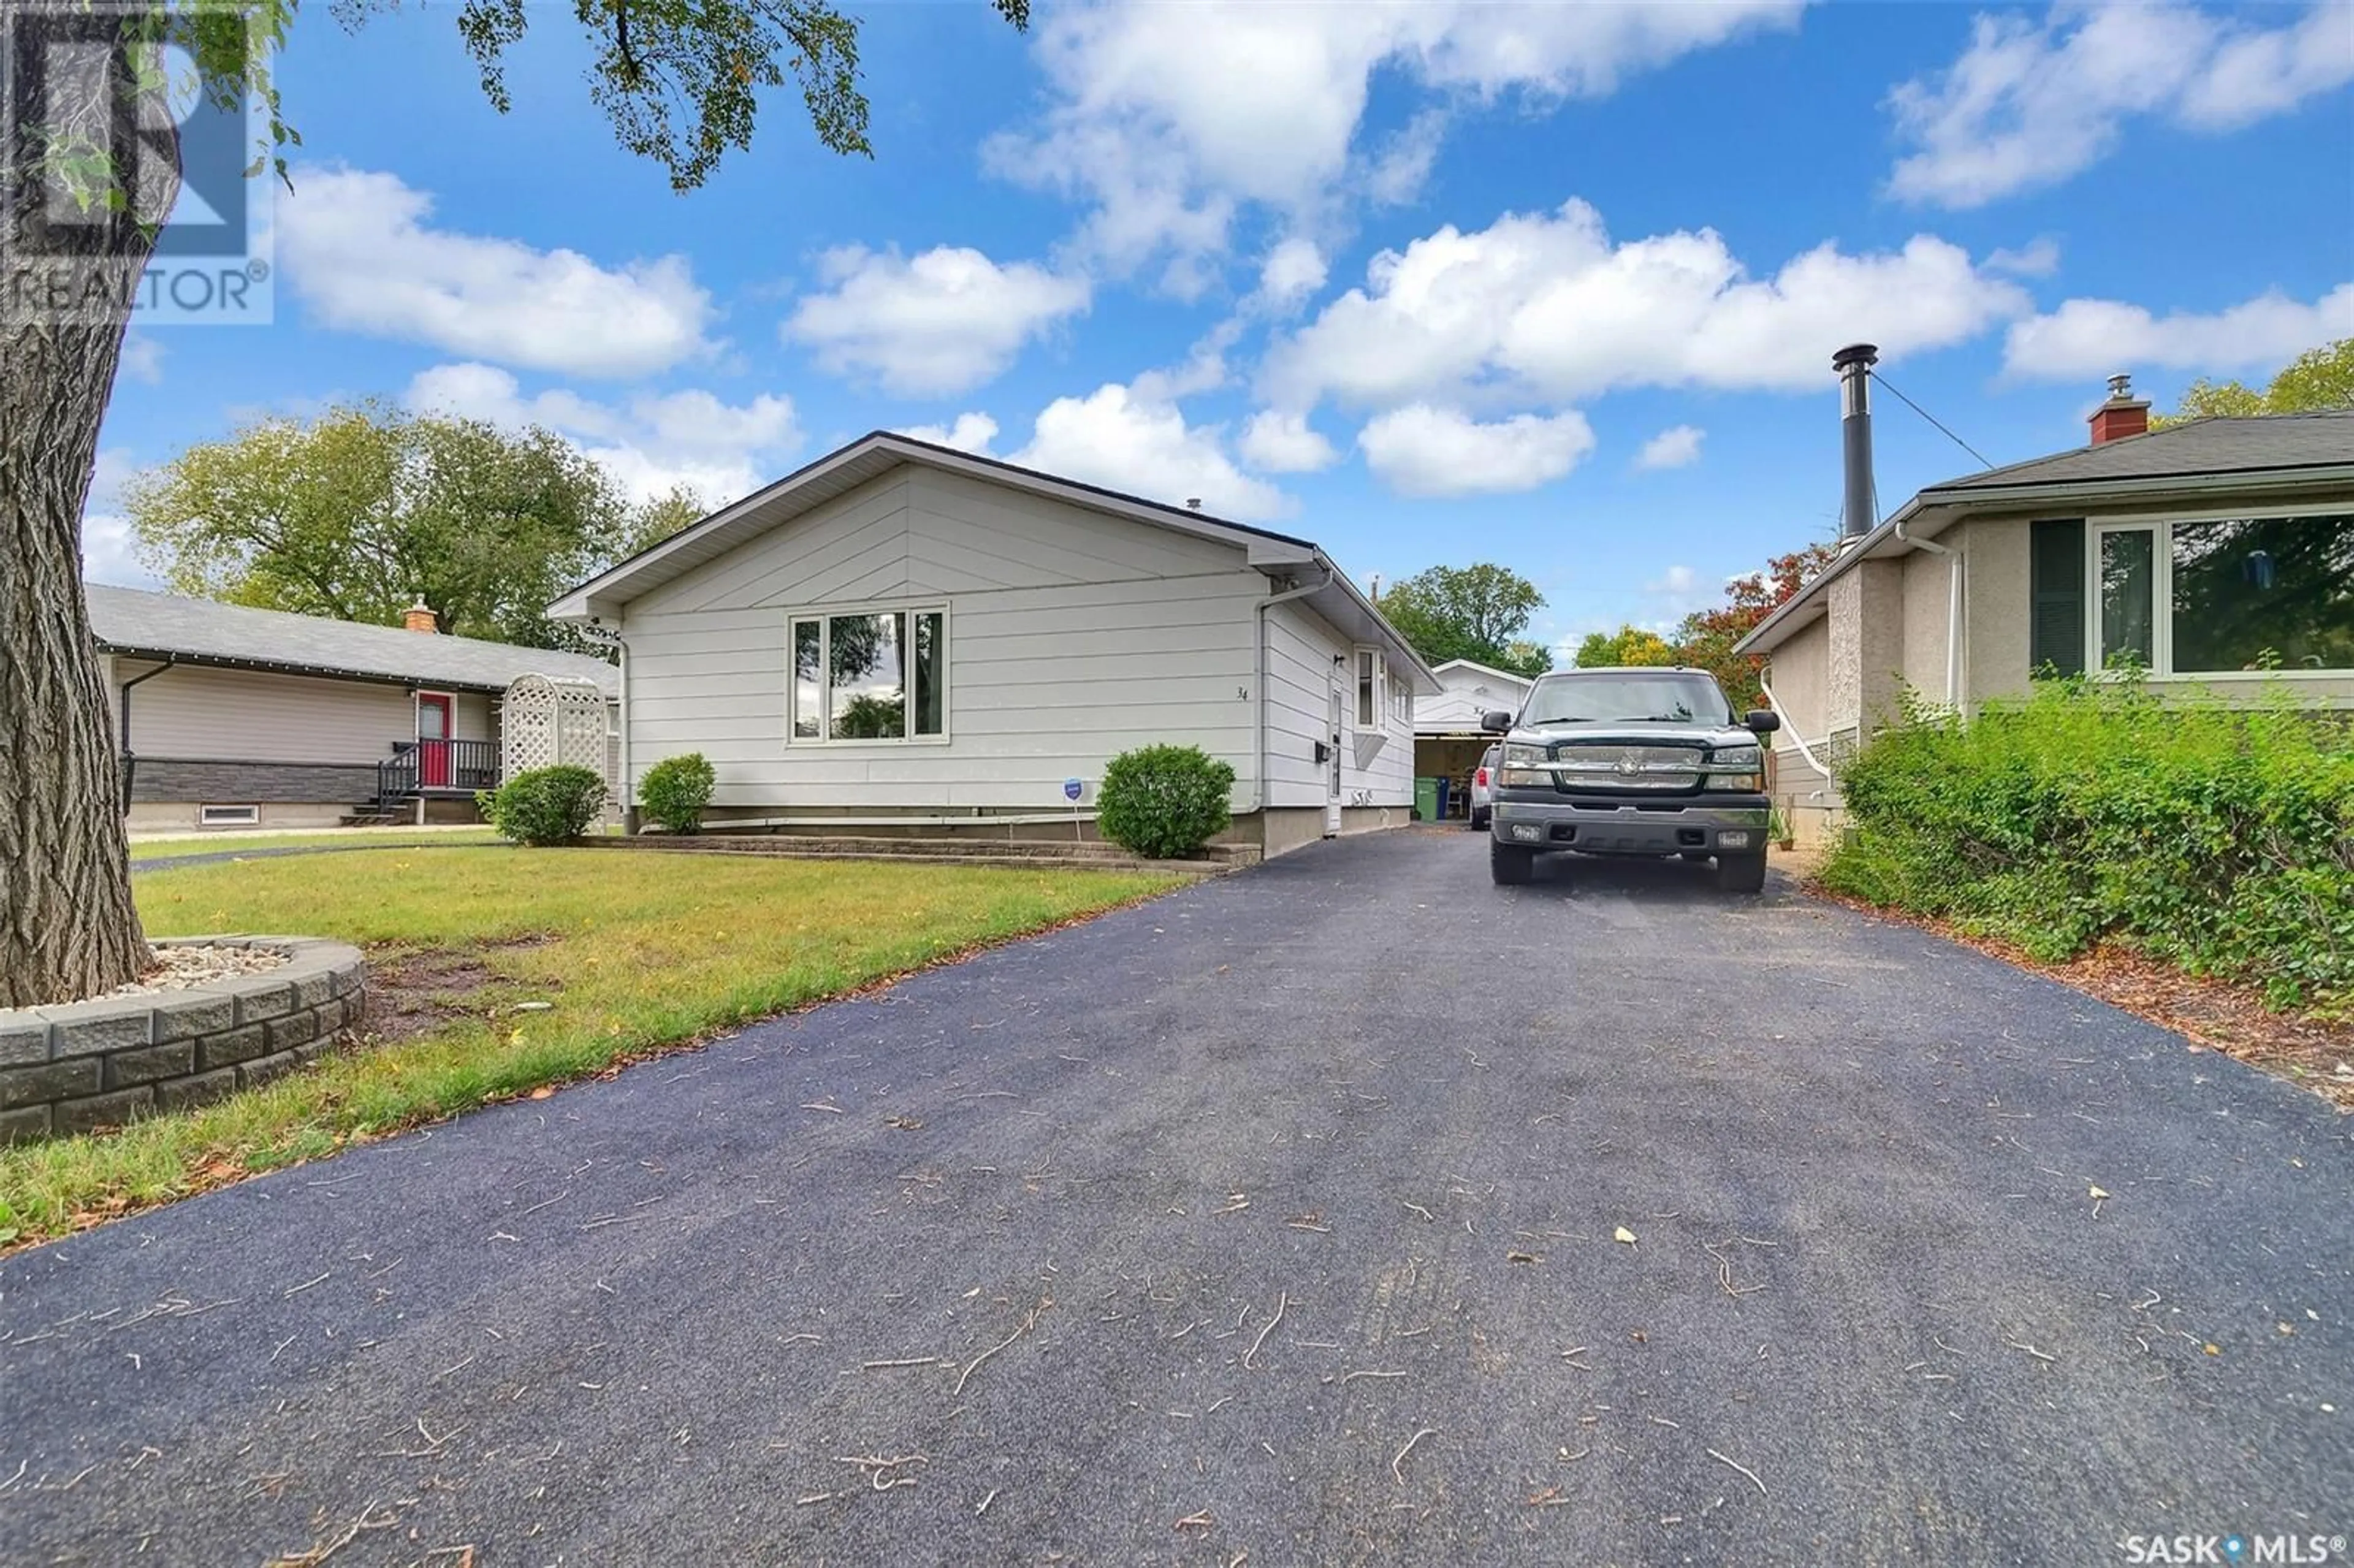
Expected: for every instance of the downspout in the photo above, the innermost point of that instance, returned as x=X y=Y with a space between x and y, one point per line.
x=1803 y=750
x=130 y=762
x=1952 y=614
x=629 y=794
x=1258 y=688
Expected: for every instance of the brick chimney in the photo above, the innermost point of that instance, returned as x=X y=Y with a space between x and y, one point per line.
x=2123 y=415
x=419 y=618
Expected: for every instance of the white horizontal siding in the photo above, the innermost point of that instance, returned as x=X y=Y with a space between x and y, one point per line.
x=1072 y=637
x=1300 y=648
x=205 y=715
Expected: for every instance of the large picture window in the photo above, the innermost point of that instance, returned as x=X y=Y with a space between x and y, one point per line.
x=870 y=676
x=2220 y=596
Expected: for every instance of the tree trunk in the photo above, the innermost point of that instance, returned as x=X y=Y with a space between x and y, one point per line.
x=68 y=925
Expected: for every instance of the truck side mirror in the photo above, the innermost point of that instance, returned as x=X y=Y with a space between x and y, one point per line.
x=1496 y=721
x=1763 y=721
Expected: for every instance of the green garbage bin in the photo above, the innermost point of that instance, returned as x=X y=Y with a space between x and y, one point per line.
x=1426 y=800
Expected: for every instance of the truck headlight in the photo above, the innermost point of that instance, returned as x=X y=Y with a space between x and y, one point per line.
x=1736 y=759
x=1523 y=768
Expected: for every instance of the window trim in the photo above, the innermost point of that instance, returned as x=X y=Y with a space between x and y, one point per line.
x=1368 y=661
x=2160 y=525
x=822 y=615
x=251 y=819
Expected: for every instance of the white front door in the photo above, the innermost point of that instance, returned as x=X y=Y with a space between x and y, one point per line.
x=1333 y=761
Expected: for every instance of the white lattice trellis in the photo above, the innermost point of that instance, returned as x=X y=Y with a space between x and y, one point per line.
x=544 y=720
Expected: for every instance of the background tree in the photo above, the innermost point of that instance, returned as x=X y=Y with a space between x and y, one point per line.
x=1470 y=612
x=2317 y=381
x=680 y=82
x=1630 y=645
x=1704 y=639
x=366 y=511
x=679 y=509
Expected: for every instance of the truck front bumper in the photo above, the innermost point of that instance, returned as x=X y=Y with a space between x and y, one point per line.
x=1714 y=825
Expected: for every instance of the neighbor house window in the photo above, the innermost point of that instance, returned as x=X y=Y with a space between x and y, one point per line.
x=2220 y=596
x=1372 y=673
x=870 y=676
x=228 y=816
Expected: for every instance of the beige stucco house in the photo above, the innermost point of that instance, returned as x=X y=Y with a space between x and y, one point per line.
x=230 y=717
x=904 y=638
x=2203 y=553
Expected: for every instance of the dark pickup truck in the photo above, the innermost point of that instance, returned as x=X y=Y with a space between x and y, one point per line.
x=1640 y=761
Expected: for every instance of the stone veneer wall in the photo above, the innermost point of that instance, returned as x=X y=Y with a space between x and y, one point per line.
x=99 y=1064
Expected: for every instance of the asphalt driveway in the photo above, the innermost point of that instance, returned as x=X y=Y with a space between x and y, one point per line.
x=1276 y=1217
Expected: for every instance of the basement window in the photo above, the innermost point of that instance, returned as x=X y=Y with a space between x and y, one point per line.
x=228 y=816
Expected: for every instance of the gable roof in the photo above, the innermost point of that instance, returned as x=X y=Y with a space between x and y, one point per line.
x=2225 y=457
x=1484 y=670
x=877 y=453
x=135 y=624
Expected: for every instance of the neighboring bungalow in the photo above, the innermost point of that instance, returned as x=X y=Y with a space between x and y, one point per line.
x=231 y=717
x=904 y=638
x=2202 y=553
x=1447 y=739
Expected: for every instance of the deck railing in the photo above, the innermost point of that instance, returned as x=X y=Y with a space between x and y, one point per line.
x=416 y=767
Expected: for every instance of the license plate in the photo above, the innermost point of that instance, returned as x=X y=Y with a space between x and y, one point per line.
x=1737 y=839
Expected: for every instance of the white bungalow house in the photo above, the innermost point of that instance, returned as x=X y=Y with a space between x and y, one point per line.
x=902 y=638
x=1447 y=739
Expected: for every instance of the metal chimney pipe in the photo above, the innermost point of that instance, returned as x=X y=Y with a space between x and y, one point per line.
x=1860 y=512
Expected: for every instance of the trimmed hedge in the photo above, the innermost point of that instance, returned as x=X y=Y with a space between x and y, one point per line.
x=676 y=790
x=1164 y=802
x=2218 y=839
x=544 y=805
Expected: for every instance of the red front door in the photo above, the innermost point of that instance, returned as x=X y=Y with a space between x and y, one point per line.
x=432 y=741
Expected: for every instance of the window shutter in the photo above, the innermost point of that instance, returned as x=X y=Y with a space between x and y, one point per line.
x=2055 y=589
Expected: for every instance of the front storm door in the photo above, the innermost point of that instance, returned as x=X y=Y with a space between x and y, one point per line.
x=432 y=740
x=1332 y=760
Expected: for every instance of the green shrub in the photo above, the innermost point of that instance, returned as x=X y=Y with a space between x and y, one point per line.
x=2220 y=840
x=676 y=790
x=1164 y=802
x=546 y=805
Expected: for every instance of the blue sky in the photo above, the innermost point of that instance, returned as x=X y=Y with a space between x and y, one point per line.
x=1553 y=287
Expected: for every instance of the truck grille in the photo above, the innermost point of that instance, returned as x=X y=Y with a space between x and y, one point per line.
x=1619 y=768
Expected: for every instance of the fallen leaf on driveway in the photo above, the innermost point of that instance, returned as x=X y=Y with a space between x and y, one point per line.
x=1520 y=1257
x=1624 y=1235
x=2097 y=1194
x=542 y=1092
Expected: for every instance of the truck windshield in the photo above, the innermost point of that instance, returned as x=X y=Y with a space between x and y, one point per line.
x=1633 y=696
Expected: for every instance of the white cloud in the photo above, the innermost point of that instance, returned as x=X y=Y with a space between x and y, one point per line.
x=1676 y=580
x=1122 y=441
x=109 y=550
x=360 y=250
x=1422 y=450
x=2028 y=105
x=1293 y=270
x=651 y=445
x=1546 y=308
x=970 y=433
x=1675 y=447
x=942 y=323
x=1402 y=166
x=2038 y=258
x=143 y=357
x=2087 y=339
x=1168 y=118
x=1282 y=443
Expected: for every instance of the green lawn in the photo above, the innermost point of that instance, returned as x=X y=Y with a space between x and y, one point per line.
x=372 y=838
x=638 y=951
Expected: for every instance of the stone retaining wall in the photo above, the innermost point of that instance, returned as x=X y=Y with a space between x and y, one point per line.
x=98 y=1064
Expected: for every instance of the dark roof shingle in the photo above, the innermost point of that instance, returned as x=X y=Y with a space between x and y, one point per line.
x=2268 y=443
x=133 y=620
